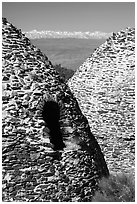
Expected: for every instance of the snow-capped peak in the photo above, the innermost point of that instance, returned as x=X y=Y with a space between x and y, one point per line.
x=34 y=34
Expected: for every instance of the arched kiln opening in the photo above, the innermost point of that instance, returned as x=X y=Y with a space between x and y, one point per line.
x=51 y=115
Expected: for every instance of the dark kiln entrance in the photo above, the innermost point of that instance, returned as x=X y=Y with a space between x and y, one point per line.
x=51 y=115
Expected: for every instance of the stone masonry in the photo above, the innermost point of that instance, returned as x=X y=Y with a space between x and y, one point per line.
x=32 y=169
x=105 y=89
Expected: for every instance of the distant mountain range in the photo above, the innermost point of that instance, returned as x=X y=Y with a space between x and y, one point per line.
x=34 y=34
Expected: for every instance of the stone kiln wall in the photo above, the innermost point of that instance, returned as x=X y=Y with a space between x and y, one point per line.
x=105 y=89
x=32 y=170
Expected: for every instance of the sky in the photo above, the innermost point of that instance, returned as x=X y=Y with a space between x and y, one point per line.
x=70 y=16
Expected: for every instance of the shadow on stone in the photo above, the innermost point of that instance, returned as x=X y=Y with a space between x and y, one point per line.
x=51 y=115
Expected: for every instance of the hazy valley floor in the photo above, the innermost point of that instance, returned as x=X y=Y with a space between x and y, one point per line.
x=70 y=53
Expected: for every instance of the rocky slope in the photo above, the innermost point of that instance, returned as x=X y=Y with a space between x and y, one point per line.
x=105 y=89
x=48 y=151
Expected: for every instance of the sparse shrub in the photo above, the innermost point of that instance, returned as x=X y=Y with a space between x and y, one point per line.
x=64 y=72
x=116 y=188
